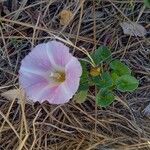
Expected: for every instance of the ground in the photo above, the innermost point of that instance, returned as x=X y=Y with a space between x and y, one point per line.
x=122 y=125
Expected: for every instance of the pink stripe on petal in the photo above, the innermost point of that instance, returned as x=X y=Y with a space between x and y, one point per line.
x=27 y=79
x=34 y=90
x=47 y=93
x=62 y=94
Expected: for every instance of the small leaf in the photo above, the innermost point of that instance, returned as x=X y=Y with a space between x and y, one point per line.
x=127 y=83
x=96 y=80
x=114 y=76
x=65 y=17
x=104 y=98
x=81 y=96
x=133 y=29
x=120 y=68
x=17 y=94
x=147 y=3
x=84 y=79
x=84 y=75
x=83 y=86
x=101 y=54
x=106 y=80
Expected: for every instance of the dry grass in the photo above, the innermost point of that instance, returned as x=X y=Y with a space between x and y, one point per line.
x=122 y=126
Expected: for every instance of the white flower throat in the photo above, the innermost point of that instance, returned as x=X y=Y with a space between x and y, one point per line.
x=58 y=76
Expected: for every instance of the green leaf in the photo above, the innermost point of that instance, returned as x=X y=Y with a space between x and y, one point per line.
x=104 y=98
x=81 y=96
x=147 y=3
x=106 y=80
x=101 y=54
x=127 y=83
x=103 y=81
x=83 y=86
x=120 y=68
x=95 y=80
x=84 y=77
x=114 y=76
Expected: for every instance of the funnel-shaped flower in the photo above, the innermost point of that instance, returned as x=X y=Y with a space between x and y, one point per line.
x=49 y=72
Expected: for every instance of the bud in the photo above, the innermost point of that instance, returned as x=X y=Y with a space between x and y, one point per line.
x=95 y=71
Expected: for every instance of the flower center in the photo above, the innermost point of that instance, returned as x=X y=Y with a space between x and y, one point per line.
x=58 y=76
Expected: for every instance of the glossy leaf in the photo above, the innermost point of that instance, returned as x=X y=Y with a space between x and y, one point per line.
x=120 y=68
x=104 y=98
x=127 y=83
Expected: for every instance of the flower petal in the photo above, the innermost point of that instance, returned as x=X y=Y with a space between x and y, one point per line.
x=43 y=94
x=36 y=61
x=27 y=79
x=61 y=94
x=32 y=84
x=58 y=53
x=73 y=68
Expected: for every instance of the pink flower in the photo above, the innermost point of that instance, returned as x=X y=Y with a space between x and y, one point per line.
x=49 y=72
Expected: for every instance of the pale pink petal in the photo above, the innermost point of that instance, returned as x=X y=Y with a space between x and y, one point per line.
x=61 y=94
x=27 y=79
x=36 y=61
x=58 y=53
x=42 y=92
x=73 y=72
x=33 y=91
x=54 y=95
x=32 y=84
x=72 y=84
x=73 y=68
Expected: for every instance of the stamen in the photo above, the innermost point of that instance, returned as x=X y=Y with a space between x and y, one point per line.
x=58 y=76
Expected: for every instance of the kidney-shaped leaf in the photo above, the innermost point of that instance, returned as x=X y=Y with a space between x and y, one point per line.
x=106 y=80
x=104 y=98
x=103 y=53
x=120 y=68
x=127 y=83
